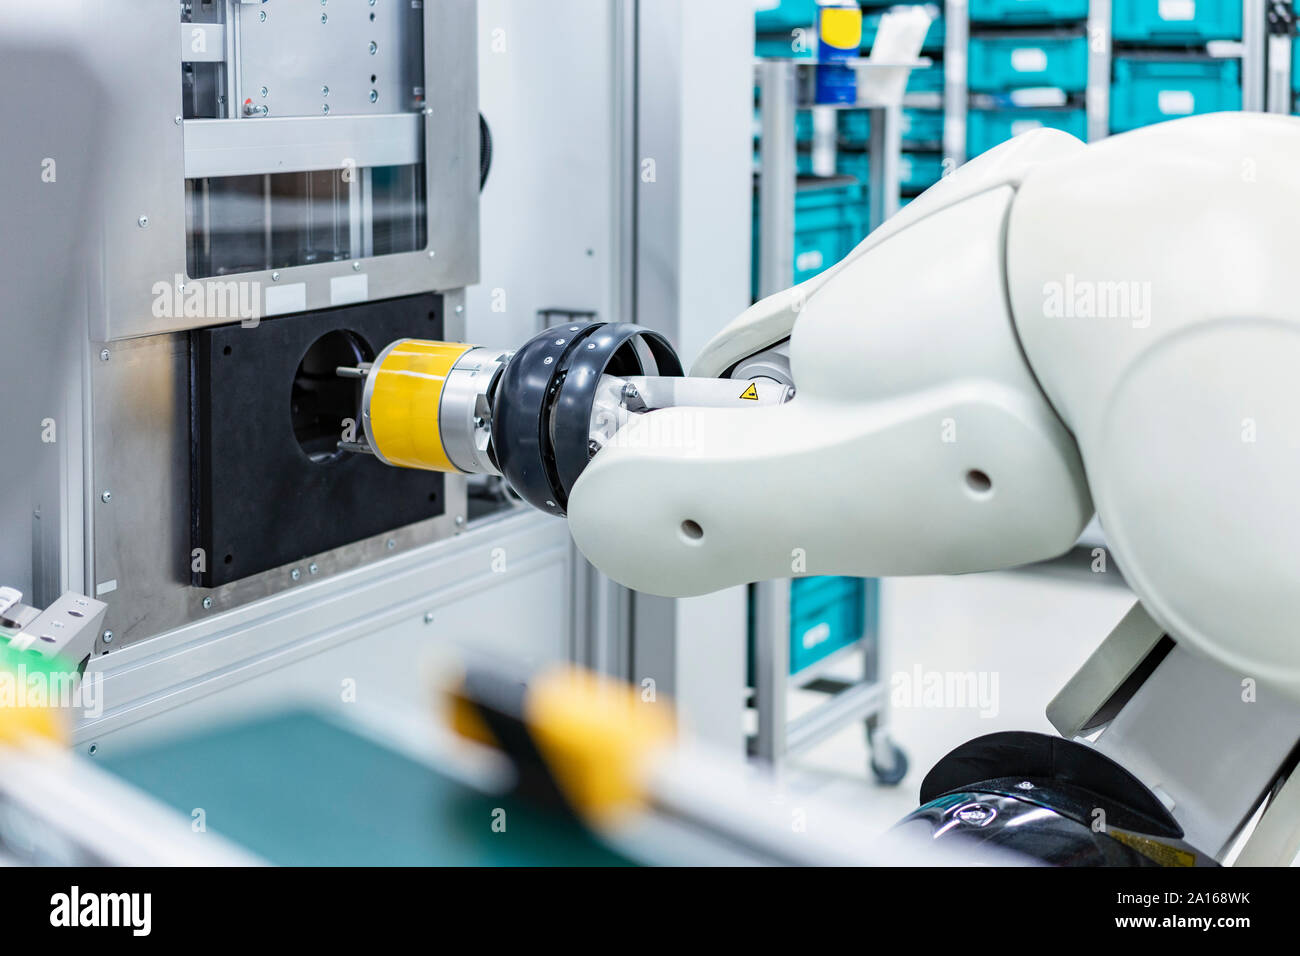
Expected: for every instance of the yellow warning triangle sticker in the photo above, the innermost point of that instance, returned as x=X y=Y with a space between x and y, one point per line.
x=751 y=393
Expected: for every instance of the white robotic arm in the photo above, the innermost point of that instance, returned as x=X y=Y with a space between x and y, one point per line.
x=1052 y=324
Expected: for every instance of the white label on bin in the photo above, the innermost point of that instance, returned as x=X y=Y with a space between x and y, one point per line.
x=1029 y=59
x=818 y=634
x=1024 y=126
x=1176 y=102
x=807 y=261
x=1177 y=9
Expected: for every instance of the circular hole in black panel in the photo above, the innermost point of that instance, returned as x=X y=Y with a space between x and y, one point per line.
x=321 y=400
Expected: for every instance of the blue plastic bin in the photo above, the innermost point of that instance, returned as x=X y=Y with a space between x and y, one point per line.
x=922 y=126
x=927 y=80
x=917 y=172
x=934 y=36
x=1027 y=11
x=1175 y=22
x=987 y=128
x=785 y=15
x=782 y=47
x=1000 y=63
x=828 y=222
x=1149 y=91
x=826 y=615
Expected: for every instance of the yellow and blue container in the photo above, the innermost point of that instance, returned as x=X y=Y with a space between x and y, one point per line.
x=839 y=37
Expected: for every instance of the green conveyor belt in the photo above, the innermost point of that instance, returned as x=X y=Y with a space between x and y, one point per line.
x=300 y=790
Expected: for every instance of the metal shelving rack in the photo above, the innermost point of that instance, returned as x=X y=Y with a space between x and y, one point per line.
x=866 y=699
x=1280 y=35
x=1252 y=51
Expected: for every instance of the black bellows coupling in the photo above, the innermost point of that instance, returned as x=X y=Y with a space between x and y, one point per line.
x=541 y=419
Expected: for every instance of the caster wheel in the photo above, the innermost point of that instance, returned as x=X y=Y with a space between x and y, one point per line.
x=892 y=774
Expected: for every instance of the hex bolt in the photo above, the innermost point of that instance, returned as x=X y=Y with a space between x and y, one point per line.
x=207 y=604
x=313 y=568
x=106 y=497
x=108 y=637
x=103 y=355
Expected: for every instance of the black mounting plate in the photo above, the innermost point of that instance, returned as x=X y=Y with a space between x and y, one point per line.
x=258 y=499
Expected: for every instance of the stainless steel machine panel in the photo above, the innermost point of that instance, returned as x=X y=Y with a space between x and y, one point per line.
x=349 y=56
x=142 y=45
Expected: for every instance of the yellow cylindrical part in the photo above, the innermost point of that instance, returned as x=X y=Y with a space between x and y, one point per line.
x=403 y=398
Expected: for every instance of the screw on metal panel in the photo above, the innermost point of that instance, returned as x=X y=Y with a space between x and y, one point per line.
x=390 y=544
x=295 y=574
x=428 y=617
x=324 y=18
x=374 y=47
x=432 y=253
x=264 y=91
x=325 y=108
x=356 y=267
x=103 y=355
x=374 y=96
x=593 y=446
x=275 y=277
x=460 y=310
x=108 y=637
x=324 y=91
x=106 y=497
x=313 y=568
x=262 y=16
x=178 y=119
x=92 y=749
x=143 y=222
x=207 y=604
x=460 y=519
x=1024 y=785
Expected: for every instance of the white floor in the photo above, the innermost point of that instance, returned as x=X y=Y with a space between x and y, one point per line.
x=1002 y=643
